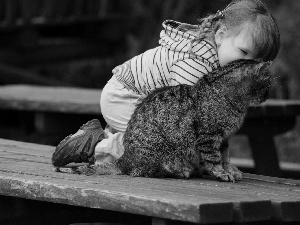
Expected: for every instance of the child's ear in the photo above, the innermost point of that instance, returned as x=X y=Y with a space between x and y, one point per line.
x=220 y=35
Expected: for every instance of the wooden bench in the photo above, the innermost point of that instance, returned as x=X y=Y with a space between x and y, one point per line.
x=63 y=110
x=31 y=192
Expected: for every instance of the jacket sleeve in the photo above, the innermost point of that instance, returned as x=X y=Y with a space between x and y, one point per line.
x=188 y=71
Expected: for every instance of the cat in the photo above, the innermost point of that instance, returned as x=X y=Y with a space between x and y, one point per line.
x=182 y=131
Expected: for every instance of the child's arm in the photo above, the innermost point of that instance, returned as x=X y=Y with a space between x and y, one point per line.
x=188 y=71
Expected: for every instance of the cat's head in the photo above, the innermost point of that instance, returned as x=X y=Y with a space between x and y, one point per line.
x=247 y=78
x=261 y=83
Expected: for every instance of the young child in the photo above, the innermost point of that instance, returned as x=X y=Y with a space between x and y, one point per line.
x=243 y=30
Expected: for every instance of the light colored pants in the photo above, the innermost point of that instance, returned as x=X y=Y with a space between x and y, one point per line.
x=117 y=105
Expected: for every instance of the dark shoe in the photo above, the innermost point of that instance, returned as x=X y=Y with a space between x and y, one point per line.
x=79 y=147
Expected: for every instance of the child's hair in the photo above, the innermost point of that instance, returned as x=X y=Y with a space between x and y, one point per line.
x=252 y=15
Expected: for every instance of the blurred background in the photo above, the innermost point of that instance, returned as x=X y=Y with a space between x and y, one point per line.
x=79 y=42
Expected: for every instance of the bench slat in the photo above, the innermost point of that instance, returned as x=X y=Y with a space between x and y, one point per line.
x=72 y=100
x=51 y=99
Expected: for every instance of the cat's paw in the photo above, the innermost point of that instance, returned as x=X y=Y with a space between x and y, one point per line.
x=234 y=171
x=216 y=171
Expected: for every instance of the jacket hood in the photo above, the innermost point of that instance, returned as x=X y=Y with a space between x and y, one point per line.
x=178 y=37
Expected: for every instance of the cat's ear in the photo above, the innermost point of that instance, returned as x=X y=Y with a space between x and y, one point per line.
x=264 y=67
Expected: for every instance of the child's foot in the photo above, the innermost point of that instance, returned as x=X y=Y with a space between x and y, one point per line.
x=79 y=147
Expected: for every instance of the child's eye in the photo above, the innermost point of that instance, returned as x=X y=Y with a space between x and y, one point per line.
x=244 y=52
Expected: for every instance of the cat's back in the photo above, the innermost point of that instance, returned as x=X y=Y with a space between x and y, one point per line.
x=166 y=97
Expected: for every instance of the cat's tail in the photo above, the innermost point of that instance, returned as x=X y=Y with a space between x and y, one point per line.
x=103 y=168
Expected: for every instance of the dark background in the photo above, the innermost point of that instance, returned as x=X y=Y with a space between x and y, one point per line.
x=105 y=33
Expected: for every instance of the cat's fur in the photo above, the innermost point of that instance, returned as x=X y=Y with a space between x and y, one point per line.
x=182 y=131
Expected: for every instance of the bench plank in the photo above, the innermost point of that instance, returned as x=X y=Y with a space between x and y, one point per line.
x=86 y=101
x=275 y=108
x=26 y=172
x=50 y=99
x=285 y=195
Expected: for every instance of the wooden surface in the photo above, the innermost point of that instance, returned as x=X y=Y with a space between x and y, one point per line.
x=86 y=101
x=50 y=99
x=26 y=172
x=275 y=108
x=288 y=169
x=71 y=100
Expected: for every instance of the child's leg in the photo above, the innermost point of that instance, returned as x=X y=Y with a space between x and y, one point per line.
x=117 y=105
x=89 y=143
x=79 y=147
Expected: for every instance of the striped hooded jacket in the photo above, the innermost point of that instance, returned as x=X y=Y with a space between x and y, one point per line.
x=169 y=64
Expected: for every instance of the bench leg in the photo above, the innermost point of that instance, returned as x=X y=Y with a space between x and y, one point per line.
x=265 y=155
x=261 y=132
x=161 y=221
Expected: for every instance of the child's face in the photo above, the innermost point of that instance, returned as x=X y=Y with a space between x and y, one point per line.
x=234 y=47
